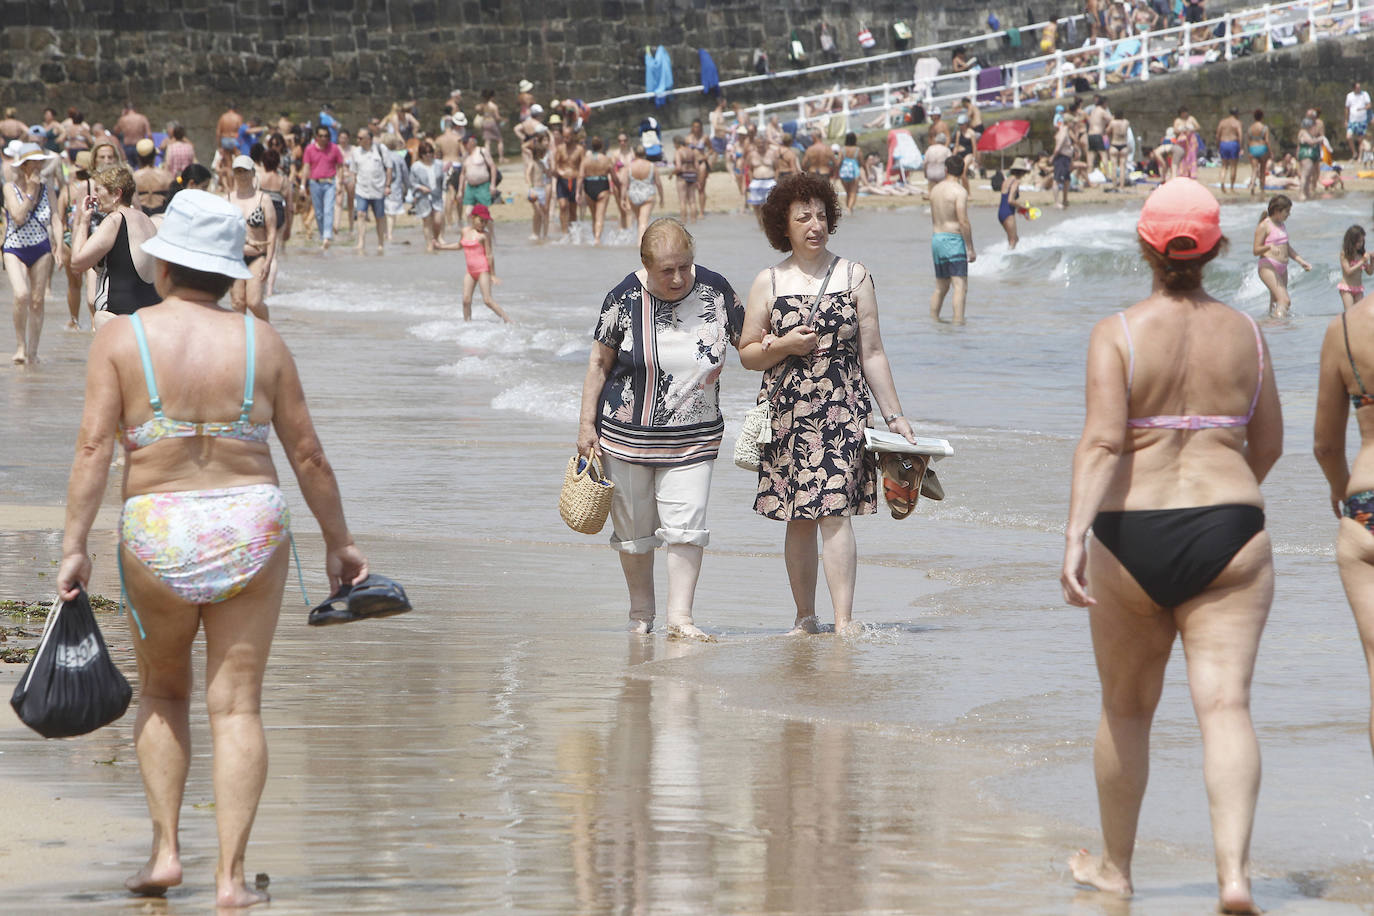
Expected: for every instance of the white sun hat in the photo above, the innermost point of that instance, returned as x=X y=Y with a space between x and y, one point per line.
x=202 y=232
x=526 y=86
x=27 y=152
x=243 y=162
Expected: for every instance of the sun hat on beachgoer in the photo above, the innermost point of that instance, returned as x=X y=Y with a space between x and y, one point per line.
x=481 y=210
x=36 y=130
x=536 y=109
x=1019 y=164
x=27 y=152
x=145 y=147
x=555 y=118
x=460 y=119
x=1181 y=208
x=83 y=160
x=525 y=85
x=243 y=162
x=202 y=232
x=12 y=148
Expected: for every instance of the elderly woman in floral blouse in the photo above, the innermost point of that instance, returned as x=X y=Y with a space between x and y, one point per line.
x=650 y=414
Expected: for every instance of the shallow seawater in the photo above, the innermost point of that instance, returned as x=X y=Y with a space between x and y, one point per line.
x=506 y=746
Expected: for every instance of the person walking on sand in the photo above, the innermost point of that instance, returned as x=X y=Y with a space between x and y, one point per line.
x=811 y=327
x=1341 y=388
x=1119 y=147
x=1356 y=118
x=1355 y=263
x=31 y=246
x=322 y=160
x=370 y=165
x=1179 y=546
x=1229 y=132
x=1063 y=163
x=480 y=261
x=1274 y=250
x=204 y=533
x=227 y=134
x=642 y=187
x=1260 y=146
x=260 y=241
x=951 y=242
x=651 y=415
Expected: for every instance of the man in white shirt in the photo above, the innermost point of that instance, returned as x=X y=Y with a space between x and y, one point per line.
x=372 y=183
x=1356 y=118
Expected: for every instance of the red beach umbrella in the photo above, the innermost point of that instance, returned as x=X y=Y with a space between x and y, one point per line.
x=1002 y=135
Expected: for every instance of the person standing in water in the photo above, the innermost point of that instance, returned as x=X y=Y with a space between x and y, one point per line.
x=1274 y=250
x=1354 y=264
x=951 y=244
x=1179 y=549
x=1010 y=203
x=480 y=261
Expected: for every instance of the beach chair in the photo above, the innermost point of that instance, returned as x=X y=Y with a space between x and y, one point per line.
x=902 y=155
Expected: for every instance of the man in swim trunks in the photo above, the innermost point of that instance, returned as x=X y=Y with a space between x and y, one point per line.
x=819 y=158
x=762 y=161
x=227 y=133
x=449 y=149
x=1098 y=119
x=1356 y=118
x=1063 y=162
x=477 y=171
x=132 y=127
x=951 y=241
x=1228 y=146
x=567 y=164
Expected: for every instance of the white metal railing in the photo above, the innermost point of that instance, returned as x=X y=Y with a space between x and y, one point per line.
x=837 y=65
x=1170 y=49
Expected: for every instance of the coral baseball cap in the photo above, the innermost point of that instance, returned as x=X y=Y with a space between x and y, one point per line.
x=481 y=210
x=1181 y=208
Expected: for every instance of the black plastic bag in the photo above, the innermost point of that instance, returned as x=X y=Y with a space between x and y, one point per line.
x=72 y=685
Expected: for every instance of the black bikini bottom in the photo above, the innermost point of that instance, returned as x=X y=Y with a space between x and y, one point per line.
x=1174 y=554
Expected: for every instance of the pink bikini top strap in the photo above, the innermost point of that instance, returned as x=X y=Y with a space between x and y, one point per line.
x=1259 y=353
x=1130 y=348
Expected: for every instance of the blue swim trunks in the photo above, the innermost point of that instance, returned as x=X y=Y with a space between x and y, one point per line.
x=1229 y=149
x=1357 y=128
x=950 y=256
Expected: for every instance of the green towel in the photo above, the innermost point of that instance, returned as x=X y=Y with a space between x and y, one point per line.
x=1014 y=38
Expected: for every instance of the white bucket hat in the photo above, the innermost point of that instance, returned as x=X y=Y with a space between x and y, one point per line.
x=460 y=119
x=27 y=152
x=525 y=86
x=202 y=232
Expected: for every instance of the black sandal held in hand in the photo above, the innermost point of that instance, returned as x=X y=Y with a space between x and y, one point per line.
x=375 y=596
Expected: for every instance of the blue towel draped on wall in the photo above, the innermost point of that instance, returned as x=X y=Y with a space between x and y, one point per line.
x=710 y=76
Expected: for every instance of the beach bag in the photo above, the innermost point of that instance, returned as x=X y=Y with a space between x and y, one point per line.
x=866 y=40
x=827 y=40
x=901 y=34
x=71 y=686
x=757 y=429
x=796 y=53
x=585 y=501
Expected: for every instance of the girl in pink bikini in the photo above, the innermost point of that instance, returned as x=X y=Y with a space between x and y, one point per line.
x=1274 y=251
x=1354 y=263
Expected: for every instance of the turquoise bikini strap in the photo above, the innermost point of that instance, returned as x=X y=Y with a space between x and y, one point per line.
x=143 y=354
x=300 y=579
x=124 y=593
x=250 y=369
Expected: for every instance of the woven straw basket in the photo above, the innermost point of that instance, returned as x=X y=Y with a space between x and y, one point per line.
x=586 y=498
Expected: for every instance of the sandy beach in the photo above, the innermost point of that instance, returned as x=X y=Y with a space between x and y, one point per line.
x=508 y=746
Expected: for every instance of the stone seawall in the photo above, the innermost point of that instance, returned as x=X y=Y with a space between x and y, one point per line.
x=188 y=58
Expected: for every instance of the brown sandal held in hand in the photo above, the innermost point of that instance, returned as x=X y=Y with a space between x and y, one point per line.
x=902 y=476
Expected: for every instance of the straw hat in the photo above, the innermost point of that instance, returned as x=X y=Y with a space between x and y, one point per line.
x=525 y=85
x=83 y=160
x=145 y=147
x=202 y=232
x=1019 y=164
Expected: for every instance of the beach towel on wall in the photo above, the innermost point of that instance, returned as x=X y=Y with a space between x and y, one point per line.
x=658 y=74
x=710 y=76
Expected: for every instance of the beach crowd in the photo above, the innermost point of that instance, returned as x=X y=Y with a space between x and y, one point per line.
x=1177 y=438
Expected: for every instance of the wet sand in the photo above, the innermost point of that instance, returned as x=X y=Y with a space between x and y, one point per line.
x=508 y=746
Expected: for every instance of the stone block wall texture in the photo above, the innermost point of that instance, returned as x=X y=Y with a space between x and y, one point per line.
x=188 y=58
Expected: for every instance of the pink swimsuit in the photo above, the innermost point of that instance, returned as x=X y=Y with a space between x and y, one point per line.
x=476 y=256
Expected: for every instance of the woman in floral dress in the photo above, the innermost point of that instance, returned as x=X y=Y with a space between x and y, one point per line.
x=815 y=474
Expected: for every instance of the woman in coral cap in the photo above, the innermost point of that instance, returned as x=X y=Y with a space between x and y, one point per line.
x=1183 y=423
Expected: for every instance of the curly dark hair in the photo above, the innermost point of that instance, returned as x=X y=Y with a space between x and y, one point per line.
x=803 y=187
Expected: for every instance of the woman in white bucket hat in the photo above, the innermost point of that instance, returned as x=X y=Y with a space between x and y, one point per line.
x=31 y=245
x=192 y=389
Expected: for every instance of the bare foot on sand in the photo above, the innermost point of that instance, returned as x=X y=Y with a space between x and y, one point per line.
x=153 y=879
x=689 y=631
x=237 y=896
x=1235 y=898
x=1091 y=870
x=18 y=358
x=807 y=625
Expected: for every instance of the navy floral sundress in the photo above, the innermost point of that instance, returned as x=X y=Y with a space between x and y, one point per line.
x=816 y=466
